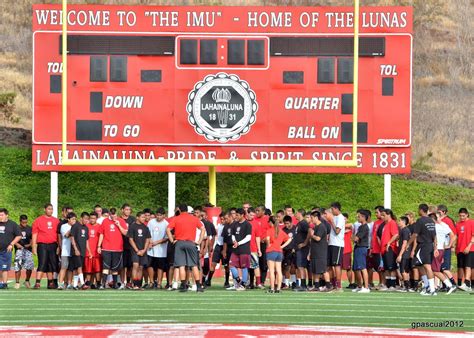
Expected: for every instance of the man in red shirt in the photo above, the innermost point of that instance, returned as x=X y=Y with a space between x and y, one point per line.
x=186 y=253
x=264 y=227
x=44 y=244
x=93 y=261
x=255 y=250
x=110 y=246
x=375 y=256
x=389 y=249
x=465 y=248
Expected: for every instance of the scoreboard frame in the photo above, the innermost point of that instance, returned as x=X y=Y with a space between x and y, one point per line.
x=215 y=162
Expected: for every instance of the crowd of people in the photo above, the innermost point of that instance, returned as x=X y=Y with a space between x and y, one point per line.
x=297 y=250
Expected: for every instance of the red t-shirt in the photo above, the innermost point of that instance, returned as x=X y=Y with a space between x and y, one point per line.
x=94 y=231
x=450 y=223
x=265 y=226
x=347 y=241
x=46 y=228
x=389 y=230
x=375 y=244
x=464 y=232
x=113 y=240
x=276 y=243
x=185 y=226
x=256 y=232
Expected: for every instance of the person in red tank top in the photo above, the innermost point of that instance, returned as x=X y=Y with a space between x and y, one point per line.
x=93 y=261
x=255 y=249
x=389 y=248
x=44 y=244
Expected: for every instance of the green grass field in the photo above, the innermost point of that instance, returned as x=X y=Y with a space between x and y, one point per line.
x=394 y=310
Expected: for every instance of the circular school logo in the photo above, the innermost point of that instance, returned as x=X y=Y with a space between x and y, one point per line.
x=222 y=107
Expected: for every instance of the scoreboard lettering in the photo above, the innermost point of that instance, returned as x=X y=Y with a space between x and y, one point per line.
x=210 y=83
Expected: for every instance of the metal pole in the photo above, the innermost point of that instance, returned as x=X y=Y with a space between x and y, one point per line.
x=212 y=186
x=171 y=193
x=269 y=190
x=387 y=191
x=54 y=192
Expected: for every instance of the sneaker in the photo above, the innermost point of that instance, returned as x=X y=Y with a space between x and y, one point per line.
x=201 y=289
x=69 y=287
x=364 y=290
x=183 y=289
x=404 y=290
x=284 y=286
x=128 y=286
x=231 y=288
x=27 y=284
x=174 y=286
x=226 y=285
x=424 y=292
x=146 y=286
x=270 y=291
x=208 y=283
x=338 y=290
x=75 y=288
x=37 y=286
x=193 y=287
x=121 y=287
x=464 y=287
x=261 y=286
x=240 y=288
x=51 y=286
x=356 y=289
x=411 y=290
x=101 y=287
x=391 y=289
x=61 y=287
x=383 y=288
x=451 y=290
x=85 y=287
x=17 y=286
x=277 y=291
x=351 y=286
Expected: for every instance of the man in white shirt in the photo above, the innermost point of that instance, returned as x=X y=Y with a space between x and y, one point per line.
x=336 y=244
x=217 y=256
x=65 y=232
x=157 y=252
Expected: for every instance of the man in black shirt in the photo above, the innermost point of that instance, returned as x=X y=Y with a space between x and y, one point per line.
x=9 y=235
x=361 y=240
x=139 y=237
x=302 y=248
x=318 y=251
x=79 y=244
x=240 y=257
x=126 y=272
x=227 y=247
x=403 y=259
x=289 y=253
x=424 y=248
x=23 y=255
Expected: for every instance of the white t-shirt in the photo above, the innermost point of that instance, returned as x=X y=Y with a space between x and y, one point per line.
x=100 y=220
x=356 y=226
x=158 y=232
x=66 y=242
x=338 y=240
x=198 y=234
x=219 y=238
x=442 y=235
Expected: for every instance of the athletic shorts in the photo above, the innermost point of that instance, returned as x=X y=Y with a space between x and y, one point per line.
x=406 y=265
x=318 y=266
x=186 y=254
x=24 y=260
x=302 y=258
x=254 y=260
x=274 y=256
x=75 y=262
x=437 y=262
x=217 y=254
x=360 y=258
x=446 y=260
x=462 y=260
x=47 y=258
x=112 y=260
x=92 y=265
x=226 y=260
x=64 y=262
x=5 y=261
x=158 y=263
x=424 y=254
x=289 y=258
x=470 y=260
x=374 y=261
x=335 y=254
x=170 y=254
x=389 y=260
x=141 y=260
x=127 y=259
x=240 y=261
x=347 y=261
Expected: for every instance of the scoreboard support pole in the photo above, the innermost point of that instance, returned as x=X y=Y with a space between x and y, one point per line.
x=171 y=193
x=54 y=192
x=212 y=186
x=269 y=191
x=387 y=191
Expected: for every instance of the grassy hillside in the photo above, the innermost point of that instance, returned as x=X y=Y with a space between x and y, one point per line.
x=24 y=191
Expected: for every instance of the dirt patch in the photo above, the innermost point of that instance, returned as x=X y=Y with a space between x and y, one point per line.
x=15 y=137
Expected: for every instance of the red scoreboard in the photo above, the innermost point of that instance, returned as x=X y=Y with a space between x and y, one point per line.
x=206 y=83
